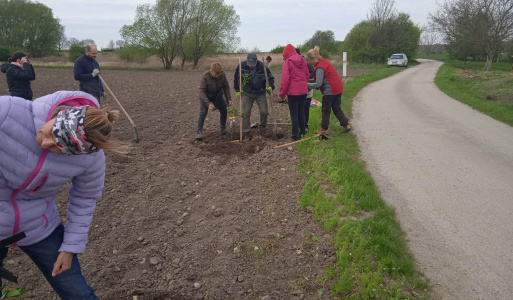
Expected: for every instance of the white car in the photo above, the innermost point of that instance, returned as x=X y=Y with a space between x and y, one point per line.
x=398 y=59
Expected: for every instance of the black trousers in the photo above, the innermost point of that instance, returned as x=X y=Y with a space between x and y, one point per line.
x=297 y=115
x=329 y=103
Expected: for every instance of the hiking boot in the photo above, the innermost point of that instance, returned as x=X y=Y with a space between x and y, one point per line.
x=347 y=129
x=223 y=131
x=323 y=132
x=262 y=131
x=199 y=135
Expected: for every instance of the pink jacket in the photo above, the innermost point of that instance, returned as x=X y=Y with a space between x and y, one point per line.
x=294 y=76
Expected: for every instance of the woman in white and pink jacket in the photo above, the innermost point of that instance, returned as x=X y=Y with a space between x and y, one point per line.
x=41 y=143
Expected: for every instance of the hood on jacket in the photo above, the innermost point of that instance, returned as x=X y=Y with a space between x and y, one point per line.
x=289 y=49
x=6 y=67
x=297 y=60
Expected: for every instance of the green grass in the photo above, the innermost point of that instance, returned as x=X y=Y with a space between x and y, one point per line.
x=373 y=259
x=488 y=92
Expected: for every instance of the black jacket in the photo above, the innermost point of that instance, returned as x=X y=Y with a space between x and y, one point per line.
x=253 y=79
x=18 y=79
x=83 y=69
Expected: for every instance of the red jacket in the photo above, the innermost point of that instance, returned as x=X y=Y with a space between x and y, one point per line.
x=331 y=74
x=295 y=75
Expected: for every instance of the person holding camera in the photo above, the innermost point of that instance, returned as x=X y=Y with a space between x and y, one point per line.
x=19 y=72
x=86 y=72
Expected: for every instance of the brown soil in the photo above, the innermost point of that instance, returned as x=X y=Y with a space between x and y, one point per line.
x=182 y=219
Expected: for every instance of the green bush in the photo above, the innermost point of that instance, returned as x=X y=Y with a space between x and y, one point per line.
x=132 y=53
x=75 y=51
x=279 y=49
x=4 y=54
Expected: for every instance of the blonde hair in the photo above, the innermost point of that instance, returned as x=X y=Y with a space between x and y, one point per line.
x=314 y=54
x=98 y=125
x=216 y=68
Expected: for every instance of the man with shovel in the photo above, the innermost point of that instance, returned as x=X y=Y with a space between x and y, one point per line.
x=86 y=71
x=253 y=89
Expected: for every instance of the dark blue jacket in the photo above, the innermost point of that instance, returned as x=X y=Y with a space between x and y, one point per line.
x=84 y=66
x=18 y=79
x=253 y=79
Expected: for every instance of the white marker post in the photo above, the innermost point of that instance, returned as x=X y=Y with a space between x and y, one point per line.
x=344 y=64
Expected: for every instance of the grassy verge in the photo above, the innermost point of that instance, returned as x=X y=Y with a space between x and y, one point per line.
x=373 y=259
x=488 y=92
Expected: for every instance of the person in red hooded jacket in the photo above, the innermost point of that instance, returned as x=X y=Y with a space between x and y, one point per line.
x=294 y=85
x=330 y=84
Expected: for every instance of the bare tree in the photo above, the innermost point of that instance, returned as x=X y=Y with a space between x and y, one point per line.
x=498 y=22
x=73 y=41
x=86 y=42
x=120 y=43
x=381 y=11
x=475 y=27
x=110 y=44
x=429 y=39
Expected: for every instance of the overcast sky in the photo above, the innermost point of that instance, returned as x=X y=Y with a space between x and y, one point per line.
x=264 y=23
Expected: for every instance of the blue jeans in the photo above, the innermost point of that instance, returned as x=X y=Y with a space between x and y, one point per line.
x=297 y=115
x=220 y=104
x=70 y=285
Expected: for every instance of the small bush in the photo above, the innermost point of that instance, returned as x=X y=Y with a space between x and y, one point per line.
x=278 y=49
x=133 y=53
x=75 y=51
x=4 y=54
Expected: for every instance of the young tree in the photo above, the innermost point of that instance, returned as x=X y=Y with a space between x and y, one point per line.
x=28 y=26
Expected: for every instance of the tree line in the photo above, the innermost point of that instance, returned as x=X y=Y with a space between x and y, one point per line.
x=384 y=32
x=475 y=29
x=188 y=29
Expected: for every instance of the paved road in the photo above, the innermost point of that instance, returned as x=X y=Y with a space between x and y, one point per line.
x=448 y=171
